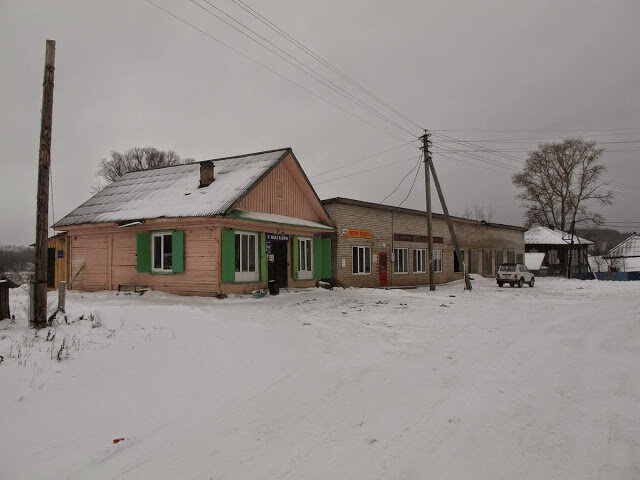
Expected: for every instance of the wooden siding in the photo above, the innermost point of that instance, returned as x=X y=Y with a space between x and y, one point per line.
x=103 y=257
x=298 y=198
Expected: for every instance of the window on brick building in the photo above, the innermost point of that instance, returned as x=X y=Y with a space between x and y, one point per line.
x=361 y=263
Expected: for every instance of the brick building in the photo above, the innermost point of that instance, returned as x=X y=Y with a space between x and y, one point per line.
x=379 y=245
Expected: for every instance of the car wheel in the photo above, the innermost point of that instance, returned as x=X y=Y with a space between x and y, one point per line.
x=532 y=282
x=500 y=284
x=520 y=282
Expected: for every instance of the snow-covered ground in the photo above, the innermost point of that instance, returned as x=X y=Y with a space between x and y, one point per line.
x=531 y=383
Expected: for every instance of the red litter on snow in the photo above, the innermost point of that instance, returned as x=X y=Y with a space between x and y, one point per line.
x=116 y=440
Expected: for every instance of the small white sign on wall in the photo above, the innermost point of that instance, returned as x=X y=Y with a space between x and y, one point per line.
x=344 y=262
x=375 y=258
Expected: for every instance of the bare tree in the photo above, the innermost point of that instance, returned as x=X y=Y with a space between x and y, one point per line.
x=479 y=213
x=134 y=159
x=558 y=180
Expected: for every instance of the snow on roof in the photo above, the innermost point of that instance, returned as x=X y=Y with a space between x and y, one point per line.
x=279 y=219
x=533 y=260
x=547 y=236
x=173 y=191
x=629 y=248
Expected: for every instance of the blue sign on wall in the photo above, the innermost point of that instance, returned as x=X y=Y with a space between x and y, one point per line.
x=60 y=253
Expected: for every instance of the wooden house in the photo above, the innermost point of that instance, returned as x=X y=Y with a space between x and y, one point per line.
x=560 y=250
x=228 y=225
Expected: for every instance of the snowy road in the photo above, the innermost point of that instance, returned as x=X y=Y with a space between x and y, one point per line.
x=495 y=383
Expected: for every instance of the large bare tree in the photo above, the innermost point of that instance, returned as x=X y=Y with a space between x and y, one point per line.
x=558 y=182
x=134 y=159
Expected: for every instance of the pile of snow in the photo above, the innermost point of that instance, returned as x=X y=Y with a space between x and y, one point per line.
x=351 y=383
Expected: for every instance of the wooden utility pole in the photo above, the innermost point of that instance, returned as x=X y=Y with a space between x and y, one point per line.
x=454 y=239
x=426 y=143
x=44 y=164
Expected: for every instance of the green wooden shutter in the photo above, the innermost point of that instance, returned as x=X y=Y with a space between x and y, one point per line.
x=295 y=258
x=317 y=258
x=143 y=252
x=326 y=258
x=177 y=252
x=263 y=257
x=228 y=256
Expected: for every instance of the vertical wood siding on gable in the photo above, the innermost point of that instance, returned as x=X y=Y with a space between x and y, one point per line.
x=298 y=199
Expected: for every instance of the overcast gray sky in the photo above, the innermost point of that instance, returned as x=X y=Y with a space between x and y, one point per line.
x=128 y=74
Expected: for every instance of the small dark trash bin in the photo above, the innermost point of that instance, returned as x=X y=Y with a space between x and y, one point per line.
x=274 y=288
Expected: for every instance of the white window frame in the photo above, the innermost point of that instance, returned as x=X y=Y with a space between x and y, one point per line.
x=162 y=235
x=405 y=263
x=437 y=261
x=419 y=260
x=361 y=271
x=248 y=275
x=305 y=272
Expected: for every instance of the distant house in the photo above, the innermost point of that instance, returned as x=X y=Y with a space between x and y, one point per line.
x=623 y=259
x=558 y=249
x=220 y=226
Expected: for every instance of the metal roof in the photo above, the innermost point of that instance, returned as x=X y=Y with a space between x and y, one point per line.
x=173 y=191
x=548 y=236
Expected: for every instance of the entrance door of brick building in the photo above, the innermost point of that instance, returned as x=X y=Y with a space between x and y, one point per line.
x=382 y=269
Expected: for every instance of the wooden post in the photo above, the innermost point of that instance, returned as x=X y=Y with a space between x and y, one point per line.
x=44 y=163
x=32 y=299
x=427 y=185
x=467 y=282
x=62 y=295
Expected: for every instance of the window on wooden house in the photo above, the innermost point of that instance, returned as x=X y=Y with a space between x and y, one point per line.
x=400 y=260
x=246 y=253
x=420 y=260
x=361 y=262
x=160 y=252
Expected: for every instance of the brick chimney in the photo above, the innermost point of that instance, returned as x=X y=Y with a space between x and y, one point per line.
x=206 y=173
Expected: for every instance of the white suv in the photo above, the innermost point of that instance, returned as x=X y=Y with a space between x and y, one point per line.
x=514 y=274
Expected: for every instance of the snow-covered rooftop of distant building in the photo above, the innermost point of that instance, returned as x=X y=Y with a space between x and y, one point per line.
x=173 y=191
x=548 y=236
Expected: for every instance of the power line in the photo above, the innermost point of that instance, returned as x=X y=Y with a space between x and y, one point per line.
x=400 y=183
x=321 y=60
x=412 y=184
x=365 y=171
x=266 y=67
x=368 y=157
x=540 y=131
x=296 y=63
